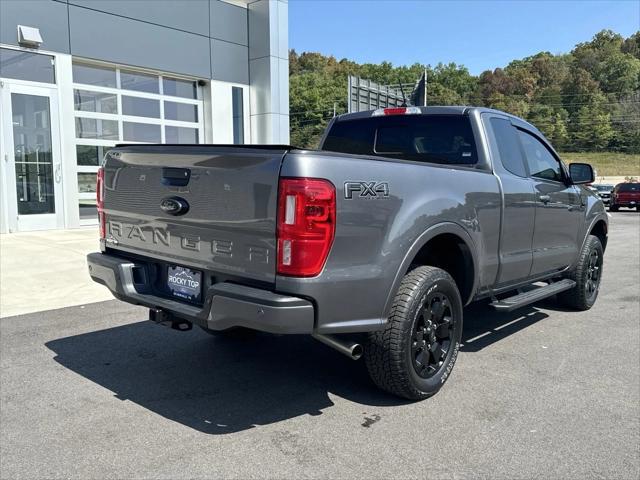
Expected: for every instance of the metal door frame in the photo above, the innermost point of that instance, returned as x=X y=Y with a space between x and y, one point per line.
x=15 y=222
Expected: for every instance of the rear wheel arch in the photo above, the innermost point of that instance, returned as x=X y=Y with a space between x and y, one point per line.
x=447 y=246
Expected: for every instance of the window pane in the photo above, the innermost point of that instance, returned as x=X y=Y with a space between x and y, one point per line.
x=179 y=88
x=446 y=139
x=86 y=182
x=90 y=155
x=88 y=210
x=141 y=82
x=141 y=132
x=183 y=112
x=95 y=102
x=238 y=115
x=32 y=149
x=180 y=135
x=628 y=187
x=541 y=163
x=94 y=75
x=508 y=147
x=96 y=128
x=140 y=107
x=26 y=66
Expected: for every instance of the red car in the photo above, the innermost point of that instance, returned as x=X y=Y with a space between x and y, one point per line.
x=625 y=195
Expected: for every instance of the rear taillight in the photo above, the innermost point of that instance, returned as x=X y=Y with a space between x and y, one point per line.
x=306 y=225
x=100 y=201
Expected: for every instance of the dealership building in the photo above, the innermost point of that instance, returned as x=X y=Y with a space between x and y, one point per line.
x=80 y=76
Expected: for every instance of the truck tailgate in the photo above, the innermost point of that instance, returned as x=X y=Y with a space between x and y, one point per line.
x=206 y=207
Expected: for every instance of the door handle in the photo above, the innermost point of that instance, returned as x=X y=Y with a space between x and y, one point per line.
x=57 y=175
x=545 y=199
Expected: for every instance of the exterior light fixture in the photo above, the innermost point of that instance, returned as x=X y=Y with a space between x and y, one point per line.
x=29 y=36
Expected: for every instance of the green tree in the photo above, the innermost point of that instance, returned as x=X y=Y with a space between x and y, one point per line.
x=632 y=45
x=552 y=122
x=453 y=79
x=591 y=128
x=619 y=73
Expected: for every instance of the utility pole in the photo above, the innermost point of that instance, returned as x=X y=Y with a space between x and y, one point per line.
x=425 y=87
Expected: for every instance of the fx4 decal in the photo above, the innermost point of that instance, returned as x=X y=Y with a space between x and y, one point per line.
x=366 y=189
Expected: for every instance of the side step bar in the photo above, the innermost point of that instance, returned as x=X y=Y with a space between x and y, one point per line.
x=525 y=298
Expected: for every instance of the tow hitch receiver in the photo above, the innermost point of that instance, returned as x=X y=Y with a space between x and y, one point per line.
x=166 y=319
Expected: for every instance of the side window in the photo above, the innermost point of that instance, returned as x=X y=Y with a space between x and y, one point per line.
x=508 y=146
x=539 y=159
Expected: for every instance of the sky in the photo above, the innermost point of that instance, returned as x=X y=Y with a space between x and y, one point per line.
x=476 y=33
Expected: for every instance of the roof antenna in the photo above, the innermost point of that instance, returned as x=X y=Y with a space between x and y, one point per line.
x=404 y=98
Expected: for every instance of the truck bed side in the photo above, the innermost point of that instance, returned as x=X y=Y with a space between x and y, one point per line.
x=374 y=234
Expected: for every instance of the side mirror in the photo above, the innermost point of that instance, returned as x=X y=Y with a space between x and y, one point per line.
x=581 y=173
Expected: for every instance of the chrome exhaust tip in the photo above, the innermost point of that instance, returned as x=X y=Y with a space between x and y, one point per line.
x=351 y=349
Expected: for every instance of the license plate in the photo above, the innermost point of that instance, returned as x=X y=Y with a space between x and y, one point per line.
x=184 y=283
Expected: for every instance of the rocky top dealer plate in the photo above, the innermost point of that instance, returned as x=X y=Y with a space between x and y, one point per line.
x=184 y=283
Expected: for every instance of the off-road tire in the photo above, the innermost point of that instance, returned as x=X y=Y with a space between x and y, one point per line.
x=389 y=353
x=579 y=297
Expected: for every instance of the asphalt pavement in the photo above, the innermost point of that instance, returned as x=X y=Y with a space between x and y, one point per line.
x=97 y=391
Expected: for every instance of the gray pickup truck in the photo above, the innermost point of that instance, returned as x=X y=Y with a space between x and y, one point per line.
x=373 y=244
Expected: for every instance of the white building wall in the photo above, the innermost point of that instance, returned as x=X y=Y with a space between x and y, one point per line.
x=269 y=71
x=219 y=108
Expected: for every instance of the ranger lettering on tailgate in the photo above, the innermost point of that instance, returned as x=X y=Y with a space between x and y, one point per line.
x=156 y=236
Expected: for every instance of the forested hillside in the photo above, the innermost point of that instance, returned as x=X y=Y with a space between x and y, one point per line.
x=585 y=100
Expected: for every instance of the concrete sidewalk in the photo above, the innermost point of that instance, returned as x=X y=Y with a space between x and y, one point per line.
x=45 y=270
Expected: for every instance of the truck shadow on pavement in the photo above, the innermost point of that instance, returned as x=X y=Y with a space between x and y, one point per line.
x=483 y=326
x=224 y=385
x=217 y=385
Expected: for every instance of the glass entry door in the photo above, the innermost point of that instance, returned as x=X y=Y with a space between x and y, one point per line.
x=33 y=174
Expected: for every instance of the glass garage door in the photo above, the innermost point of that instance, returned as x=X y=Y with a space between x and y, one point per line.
x=118 y=105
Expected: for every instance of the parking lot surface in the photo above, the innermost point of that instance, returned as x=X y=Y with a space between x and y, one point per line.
x=96 y=391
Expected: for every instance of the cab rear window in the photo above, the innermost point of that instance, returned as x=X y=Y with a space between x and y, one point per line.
x=445 y=139
x=629 y=187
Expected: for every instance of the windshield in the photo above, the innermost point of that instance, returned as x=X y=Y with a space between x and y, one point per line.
x=603 y=188
x=446 y=139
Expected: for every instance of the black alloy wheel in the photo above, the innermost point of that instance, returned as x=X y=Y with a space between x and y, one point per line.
x=432 y=335
x=594 y=271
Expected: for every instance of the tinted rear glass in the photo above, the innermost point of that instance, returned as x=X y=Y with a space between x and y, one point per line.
x=629 y=187
x=446 y=139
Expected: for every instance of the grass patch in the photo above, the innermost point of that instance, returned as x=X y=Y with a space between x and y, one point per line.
x=607 y=163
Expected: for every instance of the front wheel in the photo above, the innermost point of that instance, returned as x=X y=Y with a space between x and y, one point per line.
x=613 y=208
x=587 y=276
x=415 y=353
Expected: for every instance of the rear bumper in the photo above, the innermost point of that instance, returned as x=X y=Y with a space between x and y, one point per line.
x=225 y=305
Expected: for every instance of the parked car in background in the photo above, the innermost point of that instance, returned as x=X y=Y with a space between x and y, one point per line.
x=625 y=195
x=604 y=192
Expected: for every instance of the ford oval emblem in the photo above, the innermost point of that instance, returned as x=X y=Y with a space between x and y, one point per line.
x=174 y=205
